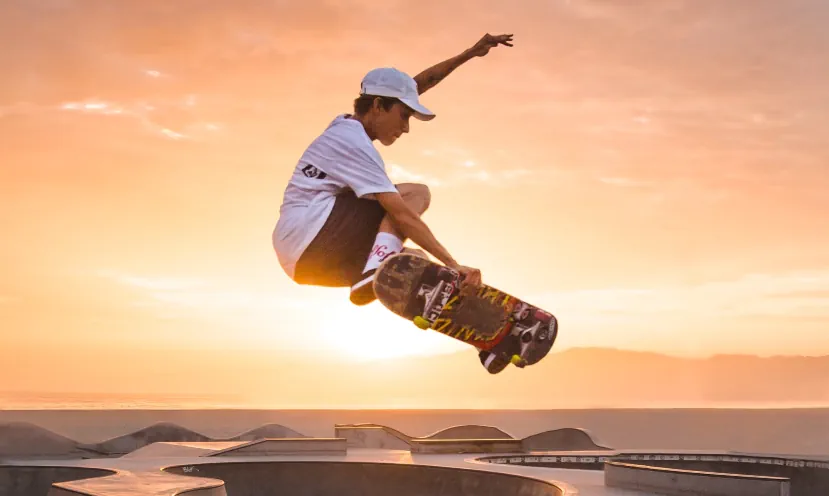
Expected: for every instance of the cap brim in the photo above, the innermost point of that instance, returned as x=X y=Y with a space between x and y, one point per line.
x=421 y=112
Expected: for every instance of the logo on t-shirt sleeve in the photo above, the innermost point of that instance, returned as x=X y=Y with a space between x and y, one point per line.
x=312 y=172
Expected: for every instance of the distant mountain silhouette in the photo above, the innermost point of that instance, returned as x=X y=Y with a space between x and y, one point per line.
x=570 y=378
x=629 y=375
x=602 y=377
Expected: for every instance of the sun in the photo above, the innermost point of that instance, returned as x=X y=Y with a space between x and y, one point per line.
x=372 y=332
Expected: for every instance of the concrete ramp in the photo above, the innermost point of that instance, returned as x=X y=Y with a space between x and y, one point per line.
x=373 y=437
x=167 y=432
x=286 y=446
x=470 y=432
x=166 y=450
x=259 y=447
x=565 y=439
x=158 y=432
x=466 y=439
x=24 y=440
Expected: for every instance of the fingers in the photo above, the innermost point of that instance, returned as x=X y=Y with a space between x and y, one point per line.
x=472 y=279
x=503 y=39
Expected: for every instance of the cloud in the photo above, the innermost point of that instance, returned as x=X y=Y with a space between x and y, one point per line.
x=452 y=165
x=176 y=120
x=151 y=116
x=461 y=176
x=143 y=113
x=400 y=174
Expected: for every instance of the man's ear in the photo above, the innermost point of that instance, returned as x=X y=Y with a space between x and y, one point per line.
x=377 y=103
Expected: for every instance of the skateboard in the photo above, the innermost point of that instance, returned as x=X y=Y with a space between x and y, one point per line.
x=429 y=294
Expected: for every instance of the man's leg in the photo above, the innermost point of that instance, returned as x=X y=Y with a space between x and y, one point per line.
x=337 y=254
x=389 y=240
x=491 y=362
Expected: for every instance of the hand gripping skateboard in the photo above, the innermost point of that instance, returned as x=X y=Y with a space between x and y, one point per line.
x=429 y=294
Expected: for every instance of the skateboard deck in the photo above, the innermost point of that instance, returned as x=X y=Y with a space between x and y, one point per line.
x=429 y=294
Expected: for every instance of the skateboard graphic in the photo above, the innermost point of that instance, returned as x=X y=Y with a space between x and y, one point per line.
x=502 y=327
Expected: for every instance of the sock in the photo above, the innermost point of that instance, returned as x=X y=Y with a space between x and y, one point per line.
x=385 y=245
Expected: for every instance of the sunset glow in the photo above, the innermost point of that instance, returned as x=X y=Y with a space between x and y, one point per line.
x=655 y=175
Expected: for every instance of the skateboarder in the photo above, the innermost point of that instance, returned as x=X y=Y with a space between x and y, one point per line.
x=341 y=215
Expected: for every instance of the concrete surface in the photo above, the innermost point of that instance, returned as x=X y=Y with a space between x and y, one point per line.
x=437 y=465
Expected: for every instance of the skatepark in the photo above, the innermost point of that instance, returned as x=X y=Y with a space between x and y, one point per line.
x=362 y=459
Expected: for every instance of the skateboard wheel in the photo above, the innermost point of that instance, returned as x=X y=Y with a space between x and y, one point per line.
x=517 y=361
x=421 y=322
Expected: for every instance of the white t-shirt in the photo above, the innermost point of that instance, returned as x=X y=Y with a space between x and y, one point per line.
x=342 y=157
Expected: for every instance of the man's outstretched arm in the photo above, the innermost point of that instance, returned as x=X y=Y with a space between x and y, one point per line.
x=435 y=74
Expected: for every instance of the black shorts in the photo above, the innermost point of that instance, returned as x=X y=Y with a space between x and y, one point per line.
x=338 y=254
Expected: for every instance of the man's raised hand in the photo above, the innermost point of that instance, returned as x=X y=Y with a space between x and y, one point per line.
x=489 y=41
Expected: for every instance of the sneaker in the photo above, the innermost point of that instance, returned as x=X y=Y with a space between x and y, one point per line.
x=362 y=292
x=491 y=362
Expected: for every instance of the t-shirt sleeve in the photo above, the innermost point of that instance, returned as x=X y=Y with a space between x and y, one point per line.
x=362 y=170
x=364 y=174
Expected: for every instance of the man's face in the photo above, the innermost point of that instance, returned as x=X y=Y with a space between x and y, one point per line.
x=388 y=126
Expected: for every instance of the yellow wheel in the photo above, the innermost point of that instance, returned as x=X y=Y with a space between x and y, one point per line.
x=421 y=322
x=517 y=361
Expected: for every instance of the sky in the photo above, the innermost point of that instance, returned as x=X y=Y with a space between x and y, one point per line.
x=655 y=175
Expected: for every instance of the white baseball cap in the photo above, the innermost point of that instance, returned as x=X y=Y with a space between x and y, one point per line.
x=387 y=81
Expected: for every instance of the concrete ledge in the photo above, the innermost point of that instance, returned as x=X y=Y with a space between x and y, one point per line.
x=287 y=446
x=584 y=460
x=679 y=482
x=446 y=446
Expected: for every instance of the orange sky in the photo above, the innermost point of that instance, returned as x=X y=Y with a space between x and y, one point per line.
x=654 y=175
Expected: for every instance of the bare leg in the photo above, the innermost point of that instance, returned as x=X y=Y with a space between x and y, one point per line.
x=389 y=240
x=416 y=196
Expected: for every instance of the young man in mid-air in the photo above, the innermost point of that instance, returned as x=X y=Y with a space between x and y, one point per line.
x=341 y=215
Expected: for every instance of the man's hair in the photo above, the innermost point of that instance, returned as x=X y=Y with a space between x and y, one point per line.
x=363 y=103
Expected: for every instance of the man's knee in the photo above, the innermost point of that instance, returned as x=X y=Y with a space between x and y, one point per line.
x=417 y=195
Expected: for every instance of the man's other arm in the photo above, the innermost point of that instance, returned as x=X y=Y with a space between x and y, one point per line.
x=412 y=226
